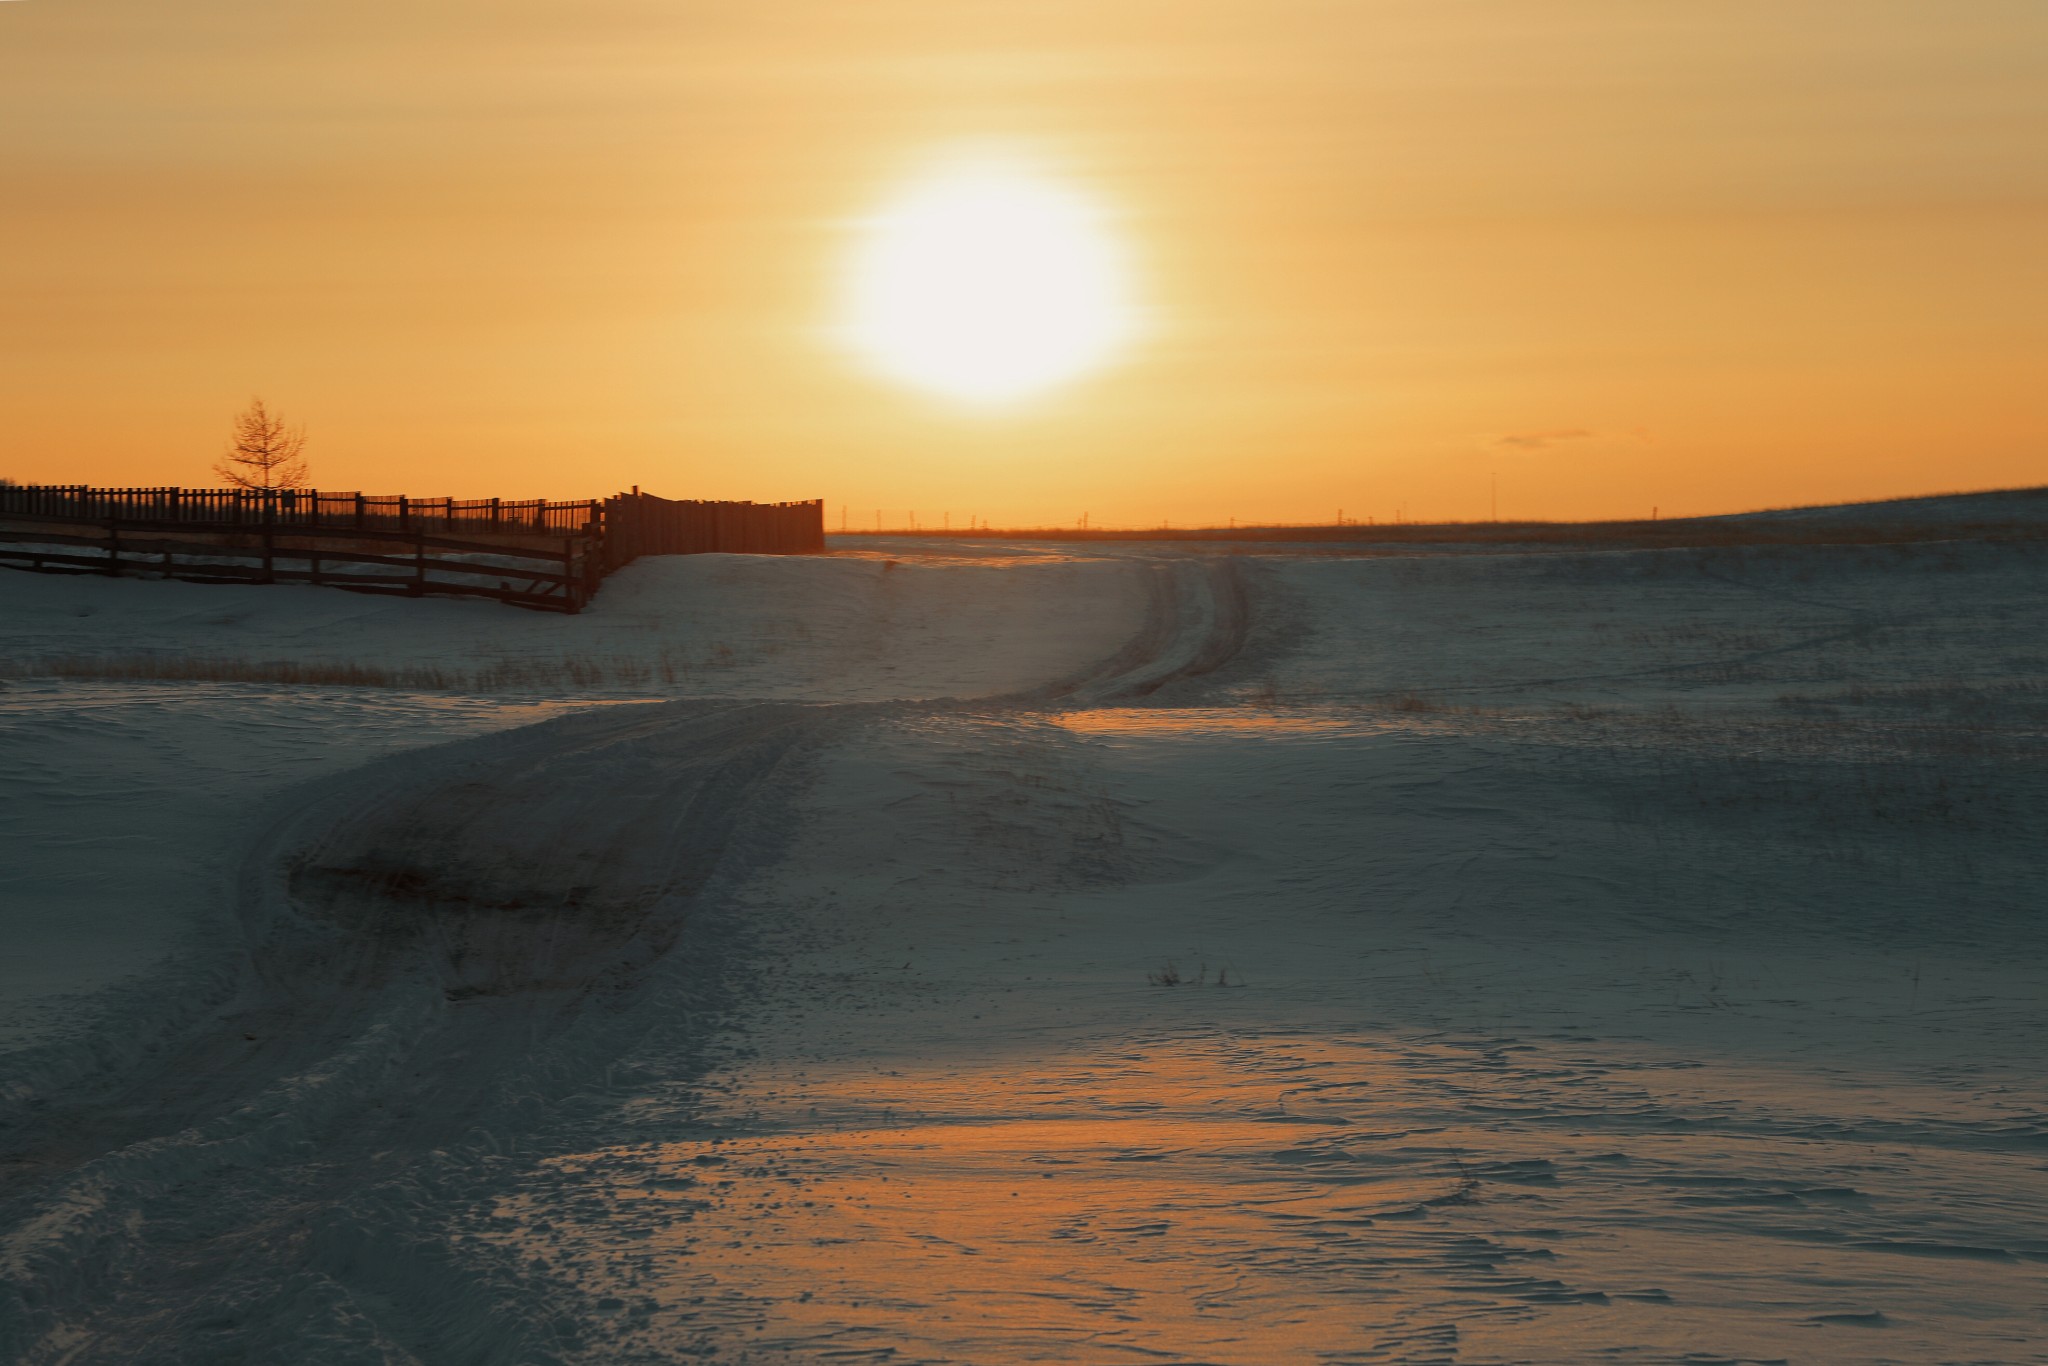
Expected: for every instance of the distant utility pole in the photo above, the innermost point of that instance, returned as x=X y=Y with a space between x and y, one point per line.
x=842 y=517
x=1495 y=491
x=878 y=519
x=1340 y=516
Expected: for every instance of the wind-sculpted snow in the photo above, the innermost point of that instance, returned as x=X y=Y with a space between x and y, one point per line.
x=145 y=726
x=440 y=947
x=1585 y=957
x=1460 y=1061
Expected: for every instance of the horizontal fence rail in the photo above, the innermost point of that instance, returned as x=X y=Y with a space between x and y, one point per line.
x=532 y=553
x=560 y=579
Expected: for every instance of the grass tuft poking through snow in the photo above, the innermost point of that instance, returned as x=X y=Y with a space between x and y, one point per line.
x=618 y=671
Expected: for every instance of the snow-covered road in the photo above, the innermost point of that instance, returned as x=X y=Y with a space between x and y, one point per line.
x=1174 y=956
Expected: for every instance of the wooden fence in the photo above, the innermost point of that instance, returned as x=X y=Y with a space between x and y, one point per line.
x=368 y=560
x=297 y=507
x=547 y=555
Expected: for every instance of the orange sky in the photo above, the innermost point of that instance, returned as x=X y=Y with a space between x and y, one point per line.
x=1619 y=254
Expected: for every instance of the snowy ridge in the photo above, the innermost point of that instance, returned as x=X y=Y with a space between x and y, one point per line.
x=2009 y=506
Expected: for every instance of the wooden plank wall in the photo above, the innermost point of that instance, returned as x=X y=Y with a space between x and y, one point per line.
x=637 y=524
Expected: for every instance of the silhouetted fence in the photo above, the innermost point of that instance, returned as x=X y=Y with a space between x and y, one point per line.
x=367 y=559
x=531 y=554
x=296 y=507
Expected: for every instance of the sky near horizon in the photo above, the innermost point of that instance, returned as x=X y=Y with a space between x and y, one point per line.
x=1388 y=255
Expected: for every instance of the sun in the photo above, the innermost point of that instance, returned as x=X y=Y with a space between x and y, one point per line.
x=988 y=284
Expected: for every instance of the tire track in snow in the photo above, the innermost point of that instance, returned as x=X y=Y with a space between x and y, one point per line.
x=441 y=948
x=1197 y=619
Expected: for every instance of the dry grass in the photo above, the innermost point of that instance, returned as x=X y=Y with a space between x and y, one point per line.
x=1917 y=723
x=1422 y=704
x=2002 y=705
x=618 y=671
x=187 y=669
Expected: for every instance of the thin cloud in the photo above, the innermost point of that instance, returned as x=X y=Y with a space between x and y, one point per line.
x=1537 y=441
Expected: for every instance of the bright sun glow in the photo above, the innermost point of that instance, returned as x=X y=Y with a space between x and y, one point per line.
x=988 y=284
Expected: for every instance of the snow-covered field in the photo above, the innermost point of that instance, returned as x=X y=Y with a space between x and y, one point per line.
x=1035 y=954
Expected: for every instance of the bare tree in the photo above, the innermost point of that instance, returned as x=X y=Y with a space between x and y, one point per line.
x=266 y=454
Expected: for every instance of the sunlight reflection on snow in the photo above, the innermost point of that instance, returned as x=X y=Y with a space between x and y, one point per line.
x=1191 y=722
x=1255 y=1197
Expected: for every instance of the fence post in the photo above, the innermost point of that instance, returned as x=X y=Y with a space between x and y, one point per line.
x=359 y=511
x=269 y=560
x=113 y=548
x=419 y=559
x=404 y=511
x=593 y=555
